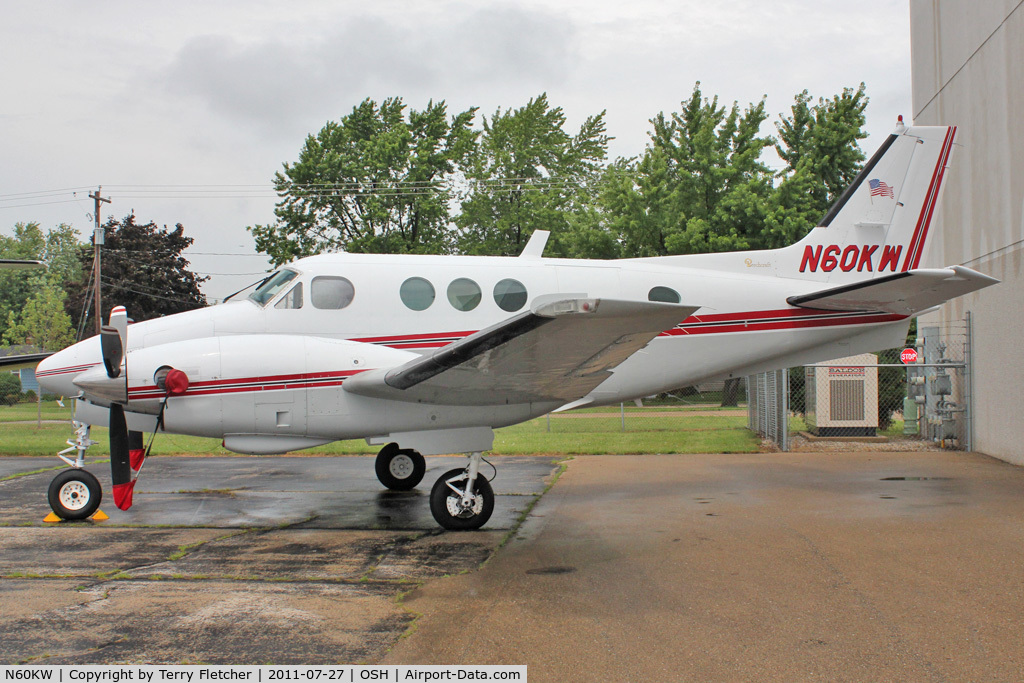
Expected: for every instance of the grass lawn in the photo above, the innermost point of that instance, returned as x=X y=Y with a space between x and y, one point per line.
x=569 y=435
x=28 y=411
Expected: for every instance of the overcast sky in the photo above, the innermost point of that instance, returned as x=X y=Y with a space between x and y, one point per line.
x=125 y=93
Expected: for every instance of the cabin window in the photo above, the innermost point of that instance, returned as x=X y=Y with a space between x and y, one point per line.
x=417 y=293
x=293 y=299
x=669 y=296
x=464 y=294
x=510 y=295
x=272 y=285
x=331 y=293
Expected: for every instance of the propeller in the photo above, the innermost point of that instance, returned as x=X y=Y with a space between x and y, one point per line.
x=127 y=448
x=113 y=342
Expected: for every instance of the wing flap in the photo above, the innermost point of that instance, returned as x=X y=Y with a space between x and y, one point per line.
x=902 y=293
x=558 y=351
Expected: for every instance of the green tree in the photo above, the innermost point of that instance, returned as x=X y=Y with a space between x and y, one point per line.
x=819 y=145
x=376 y=181
x=58 y=248
x=529 y=173
x=42 y=323
x=143 y=270
x=700 y=185
x=16 y=287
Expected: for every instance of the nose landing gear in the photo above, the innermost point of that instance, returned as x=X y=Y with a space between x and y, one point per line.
x=75 y=493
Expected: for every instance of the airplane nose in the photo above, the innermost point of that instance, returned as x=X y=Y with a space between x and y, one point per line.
x=56 y=373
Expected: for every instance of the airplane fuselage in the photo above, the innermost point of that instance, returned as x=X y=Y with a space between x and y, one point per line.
x=266 y=372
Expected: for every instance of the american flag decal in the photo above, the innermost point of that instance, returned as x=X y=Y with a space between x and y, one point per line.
x=880 y=188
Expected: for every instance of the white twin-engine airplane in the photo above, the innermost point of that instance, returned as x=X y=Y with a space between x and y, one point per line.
x=427 y=355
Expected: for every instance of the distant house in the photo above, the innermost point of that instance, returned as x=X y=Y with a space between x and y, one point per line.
x=26 y=371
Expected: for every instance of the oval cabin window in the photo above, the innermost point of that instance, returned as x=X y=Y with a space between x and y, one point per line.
x=669 y=296
x=417 y=293
x=464 y=294
x=510 y=295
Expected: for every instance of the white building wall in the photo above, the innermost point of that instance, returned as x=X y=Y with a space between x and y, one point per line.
x=968 y=71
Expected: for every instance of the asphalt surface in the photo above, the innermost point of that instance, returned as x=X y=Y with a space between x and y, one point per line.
x=771 y=567
x=780 y=567
x=233 y=560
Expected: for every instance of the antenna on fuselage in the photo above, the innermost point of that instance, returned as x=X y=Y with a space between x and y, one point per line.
x=535 y=246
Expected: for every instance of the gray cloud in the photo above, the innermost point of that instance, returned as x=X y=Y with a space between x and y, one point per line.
x=282 y=86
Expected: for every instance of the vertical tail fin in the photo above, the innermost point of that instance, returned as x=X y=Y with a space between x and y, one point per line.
x=879 y=225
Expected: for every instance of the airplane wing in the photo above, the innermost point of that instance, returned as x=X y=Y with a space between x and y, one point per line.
x=904 y=293
x=557 y=351
x=25 y=360
x=19 y=264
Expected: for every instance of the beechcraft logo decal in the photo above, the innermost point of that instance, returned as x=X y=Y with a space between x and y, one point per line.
x=880 y=188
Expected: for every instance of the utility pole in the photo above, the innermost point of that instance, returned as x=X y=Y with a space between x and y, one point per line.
x=97 y=242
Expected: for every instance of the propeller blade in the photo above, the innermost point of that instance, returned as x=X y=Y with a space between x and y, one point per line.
x=114 y=340
x=120 y=458
x=114 y=344
x=113 y=350
x=136 y=451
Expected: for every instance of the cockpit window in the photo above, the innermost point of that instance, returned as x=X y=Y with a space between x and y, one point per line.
x=293 y=299
x=272 y=285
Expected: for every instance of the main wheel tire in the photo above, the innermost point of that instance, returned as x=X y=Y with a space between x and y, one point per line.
x=445 y=503
x=75 y=494
x=400 y=469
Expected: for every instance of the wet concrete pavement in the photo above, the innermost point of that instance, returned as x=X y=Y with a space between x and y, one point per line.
x=770 y=567
x=810 y=567
x=233 y=560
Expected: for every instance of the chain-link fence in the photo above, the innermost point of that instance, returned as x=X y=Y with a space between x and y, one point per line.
x=874 y=398
x=710 y=417
x=12 y=390
x=768 y=410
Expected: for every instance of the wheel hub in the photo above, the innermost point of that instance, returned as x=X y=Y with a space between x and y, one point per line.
x=74 y=495
x=458 y=508
x=401 y=466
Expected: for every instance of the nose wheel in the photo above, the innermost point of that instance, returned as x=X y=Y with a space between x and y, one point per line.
x=400 y=469
x=74 y=494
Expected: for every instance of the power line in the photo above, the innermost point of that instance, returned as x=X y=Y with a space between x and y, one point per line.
x=119 y=285
x=19 y=206
x=29 y=195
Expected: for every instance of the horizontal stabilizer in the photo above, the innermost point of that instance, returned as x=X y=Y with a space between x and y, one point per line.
x=902 y=293
x=558 y=351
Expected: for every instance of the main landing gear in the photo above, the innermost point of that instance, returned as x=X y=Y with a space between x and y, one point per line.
x=462 y=499
x=400 y=469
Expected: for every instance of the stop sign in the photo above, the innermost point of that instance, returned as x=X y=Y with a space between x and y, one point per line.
x=908 y=356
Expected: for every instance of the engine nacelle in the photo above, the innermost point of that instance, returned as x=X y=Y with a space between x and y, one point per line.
x=251 y=384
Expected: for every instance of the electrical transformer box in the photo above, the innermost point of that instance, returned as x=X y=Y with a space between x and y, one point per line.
x=841 y=397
